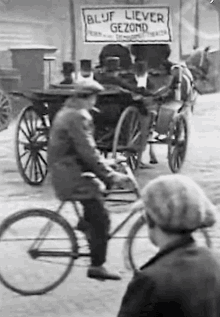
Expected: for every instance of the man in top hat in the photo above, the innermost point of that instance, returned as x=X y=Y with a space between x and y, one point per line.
x=183 y=278
x=116 y=50
x=79 y=172
x=67 y=71
x=86 y=68
x=112 y=74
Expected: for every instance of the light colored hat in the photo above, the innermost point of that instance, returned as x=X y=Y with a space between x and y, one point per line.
x=87 y=86
x=176 y=204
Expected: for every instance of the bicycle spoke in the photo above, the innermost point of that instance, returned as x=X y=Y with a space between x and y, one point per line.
x=38 y=252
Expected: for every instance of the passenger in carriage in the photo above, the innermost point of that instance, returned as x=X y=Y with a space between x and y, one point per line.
x=67 y=71
x=115 y=67
x=112 y=105
x=116 y=50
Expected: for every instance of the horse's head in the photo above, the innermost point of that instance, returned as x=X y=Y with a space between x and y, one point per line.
x=198 y=63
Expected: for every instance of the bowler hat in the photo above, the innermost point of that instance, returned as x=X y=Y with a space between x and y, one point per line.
x=177 y=204
x=68 y=67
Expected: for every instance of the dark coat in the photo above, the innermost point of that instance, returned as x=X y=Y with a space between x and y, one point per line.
x=183 y=281
x=72 y=151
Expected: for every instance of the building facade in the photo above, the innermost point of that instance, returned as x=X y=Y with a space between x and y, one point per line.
x=46 y=24
x=189 y=27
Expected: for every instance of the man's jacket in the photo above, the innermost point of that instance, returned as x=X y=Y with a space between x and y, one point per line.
x=72 y=151
x=182 y=280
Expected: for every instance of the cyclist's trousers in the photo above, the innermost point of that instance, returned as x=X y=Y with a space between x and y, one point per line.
x=96 y=215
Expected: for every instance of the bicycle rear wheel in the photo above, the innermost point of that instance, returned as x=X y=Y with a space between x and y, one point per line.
x=139 y=249
x=37 y=248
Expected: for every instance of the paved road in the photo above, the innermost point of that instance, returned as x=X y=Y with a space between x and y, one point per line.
x=79 y=296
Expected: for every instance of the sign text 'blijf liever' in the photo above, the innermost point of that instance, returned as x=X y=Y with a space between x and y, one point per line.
x=124 y=24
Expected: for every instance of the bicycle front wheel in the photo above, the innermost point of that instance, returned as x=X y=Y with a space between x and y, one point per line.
x=139 y=248
x=37 y=248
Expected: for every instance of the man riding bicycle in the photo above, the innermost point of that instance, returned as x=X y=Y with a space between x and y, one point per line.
x=72 y=153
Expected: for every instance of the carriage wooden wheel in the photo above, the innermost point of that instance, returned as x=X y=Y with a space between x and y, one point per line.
x=127 y=138
x=5 y=110
x=31 y=145
x=178 y=135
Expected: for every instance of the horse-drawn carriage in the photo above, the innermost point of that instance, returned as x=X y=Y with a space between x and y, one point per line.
x=121 y=135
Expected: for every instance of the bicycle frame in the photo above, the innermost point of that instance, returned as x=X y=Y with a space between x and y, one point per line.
x=35 y=253
x=136 y=191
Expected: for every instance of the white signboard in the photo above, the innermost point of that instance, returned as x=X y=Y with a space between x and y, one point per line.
x=133 y=24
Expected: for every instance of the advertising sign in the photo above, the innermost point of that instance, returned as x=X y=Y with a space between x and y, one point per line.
x=133 y=24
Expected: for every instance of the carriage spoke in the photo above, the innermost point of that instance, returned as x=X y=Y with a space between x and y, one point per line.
x=39 y=166
x=31 y=138
x=127 y=138
x=2 y=119
x=177 y=146
x=135 y=138
x=27 y=162
x=31 y=167
x=136 y=127
x=35 y=170
x=38 y=123
x=42 y=158
x=27 y=125
x=44 y=149
x=25 y=133
x=4 y=114
x=25 y=152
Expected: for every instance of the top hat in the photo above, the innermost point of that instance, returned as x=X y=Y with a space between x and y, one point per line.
x=112 y=63
x=85 y=67
x=68 y=67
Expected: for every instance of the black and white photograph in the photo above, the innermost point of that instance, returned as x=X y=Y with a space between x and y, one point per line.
x=109 y=158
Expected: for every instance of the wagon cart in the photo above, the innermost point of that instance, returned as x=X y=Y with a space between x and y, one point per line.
x=122 y=136
x=33 y=125
x=171 y=123
x=5 y=110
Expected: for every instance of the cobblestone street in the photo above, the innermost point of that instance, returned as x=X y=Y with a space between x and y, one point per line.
x=79 y=296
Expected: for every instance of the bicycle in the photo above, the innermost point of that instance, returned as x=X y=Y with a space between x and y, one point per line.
x=53 y=245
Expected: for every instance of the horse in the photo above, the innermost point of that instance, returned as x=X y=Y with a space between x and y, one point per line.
x=154 y=71
x=199 y=64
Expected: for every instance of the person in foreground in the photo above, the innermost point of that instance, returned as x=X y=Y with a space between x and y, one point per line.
x=78 y=171
x=182 y=279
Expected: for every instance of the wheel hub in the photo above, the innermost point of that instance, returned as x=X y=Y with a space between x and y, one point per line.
x=35 y=146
